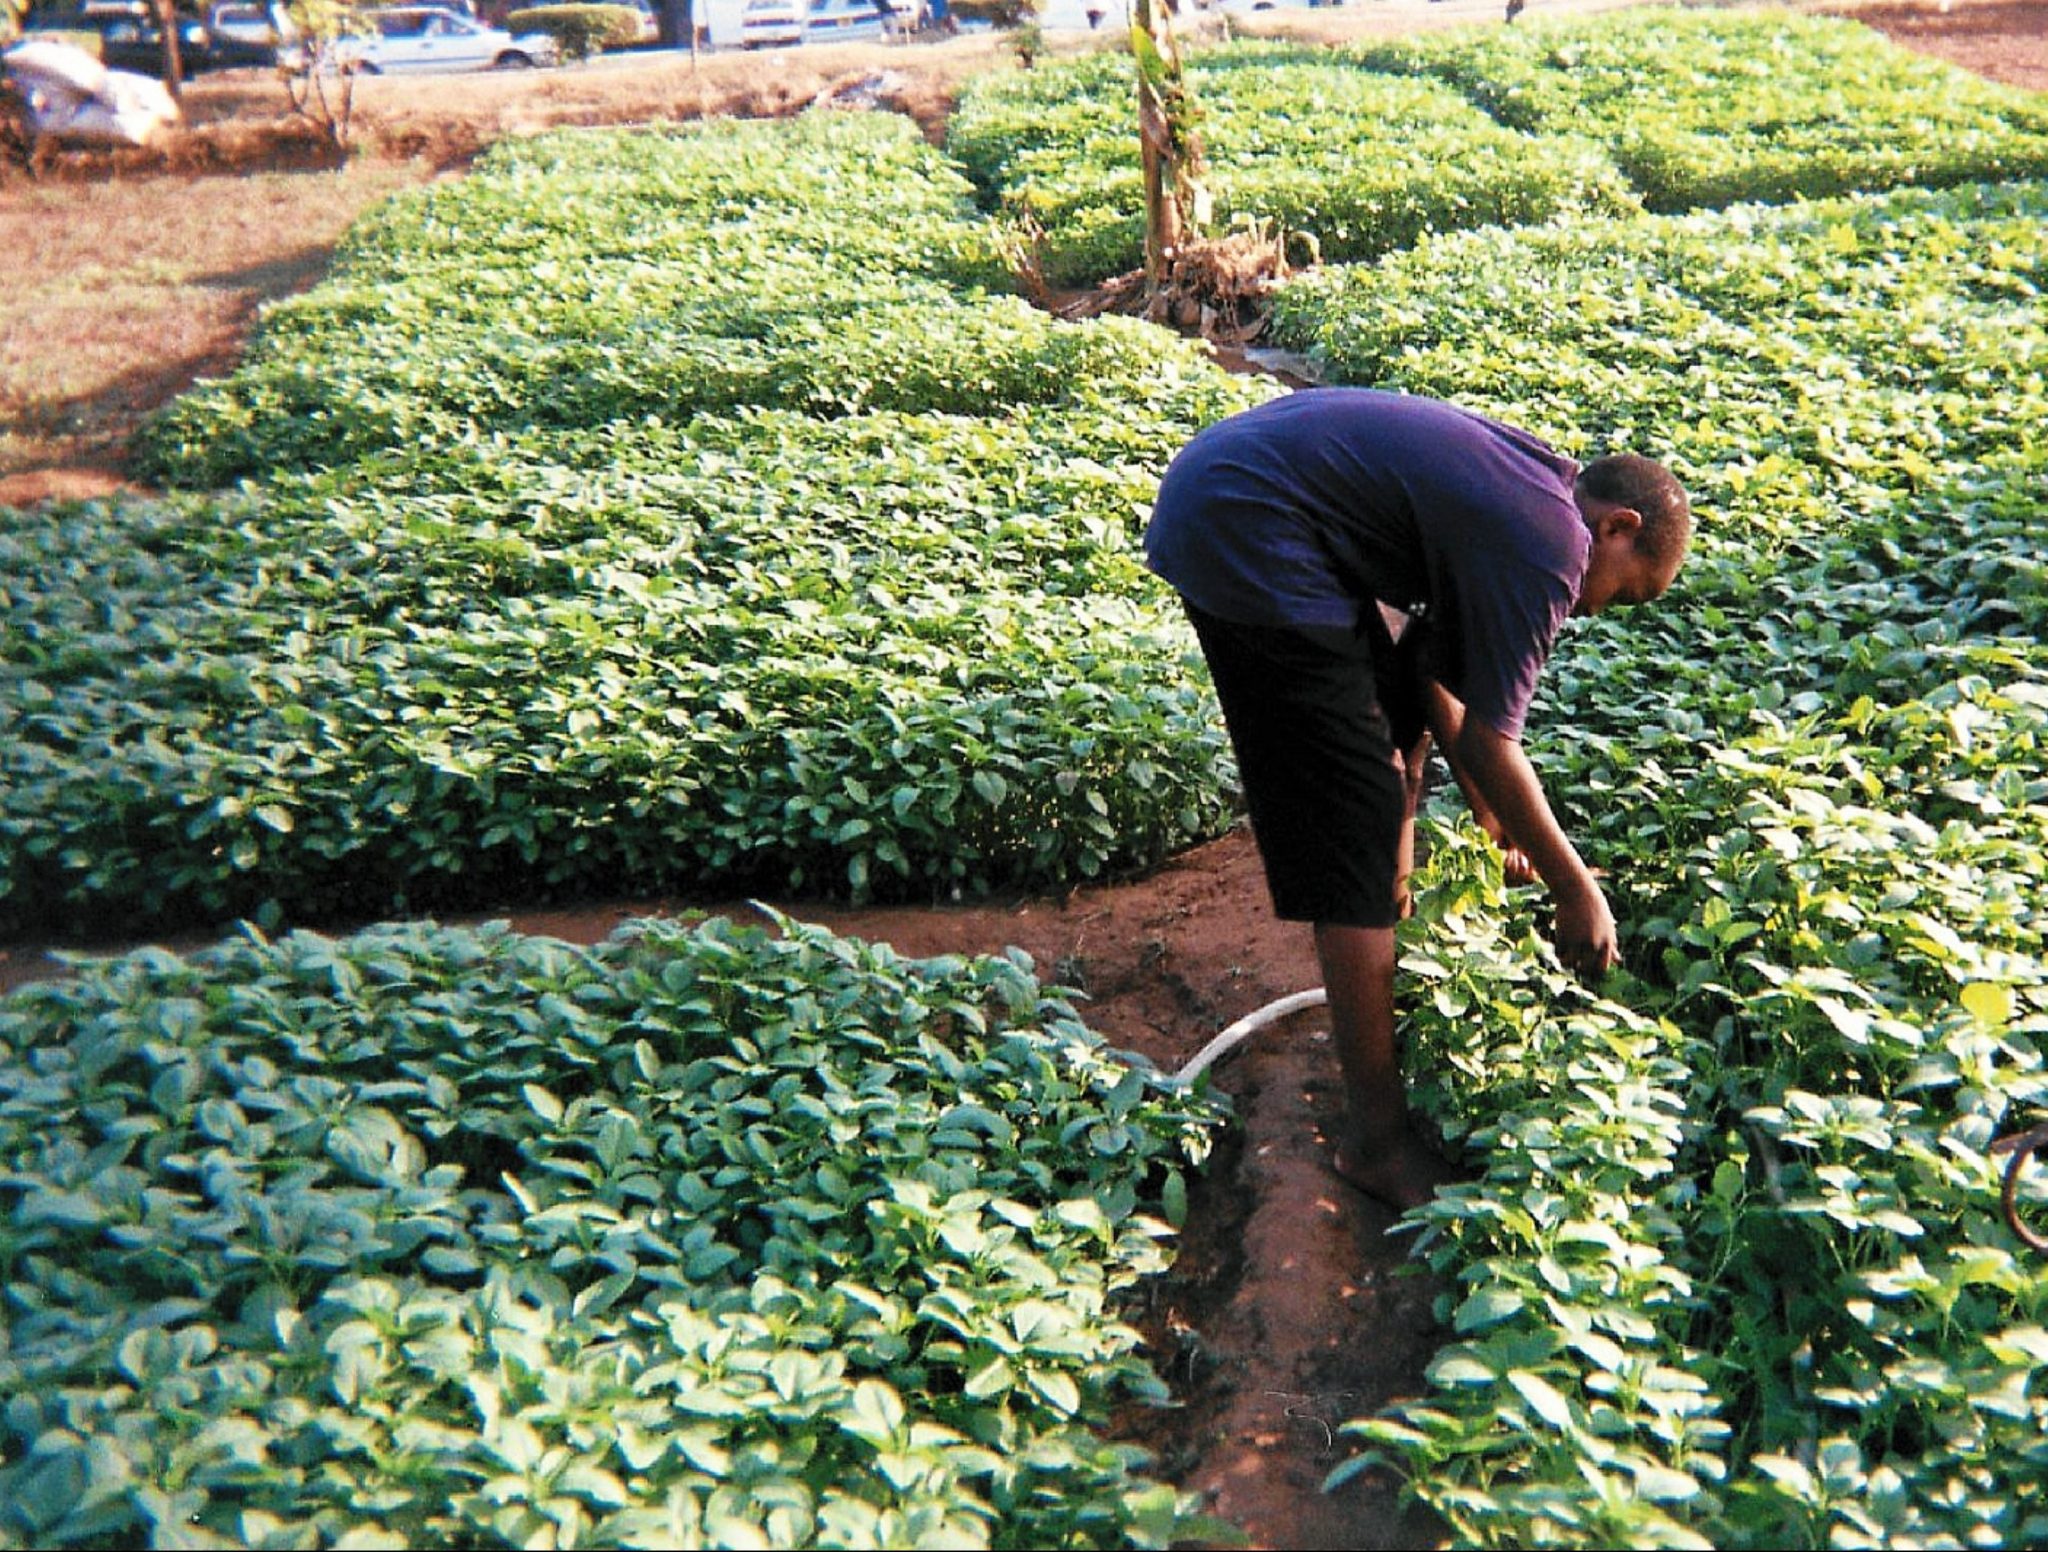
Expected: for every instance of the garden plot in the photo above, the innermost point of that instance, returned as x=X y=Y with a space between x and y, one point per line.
x=1708 y=108
x=1734 y=1273
x=1343 y=162
x=1352 y=153
x=705 y=1237
x=607 y=557
x=1737 y=1274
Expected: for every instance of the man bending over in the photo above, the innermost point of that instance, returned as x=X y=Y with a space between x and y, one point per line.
x=1366 y=571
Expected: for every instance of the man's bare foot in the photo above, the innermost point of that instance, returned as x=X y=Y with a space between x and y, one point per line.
x=1407 y=1174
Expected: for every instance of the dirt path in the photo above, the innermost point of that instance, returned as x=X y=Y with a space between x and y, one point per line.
x=1290 y=1307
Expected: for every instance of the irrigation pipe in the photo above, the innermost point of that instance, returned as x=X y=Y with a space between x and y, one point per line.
x=1237 y=1034
x=2021 y=1146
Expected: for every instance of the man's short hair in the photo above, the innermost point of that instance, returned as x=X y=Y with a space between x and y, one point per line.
x=1631 y=480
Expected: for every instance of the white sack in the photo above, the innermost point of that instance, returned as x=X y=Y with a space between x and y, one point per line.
x=69 y=101
x=60 y=66
x=137 y=106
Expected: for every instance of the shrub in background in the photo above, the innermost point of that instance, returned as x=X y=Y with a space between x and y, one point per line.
x=581 y=31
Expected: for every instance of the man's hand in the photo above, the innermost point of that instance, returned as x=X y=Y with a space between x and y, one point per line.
x=1587 y=943
x=1446 y=716
x=1515 y=866
x=1586 y=940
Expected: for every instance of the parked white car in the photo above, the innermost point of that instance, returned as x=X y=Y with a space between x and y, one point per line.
x=772 y=23
x=426 y=37
x=1249 y=7
x=248 y=32
x=845 y=21
x=778 y=23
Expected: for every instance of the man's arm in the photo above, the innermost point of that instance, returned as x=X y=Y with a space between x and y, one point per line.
x=1507 y=787
x=1446 y=715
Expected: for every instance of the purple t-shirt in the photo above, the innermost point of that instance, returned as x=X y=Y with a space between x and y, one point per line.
x=1306 y=509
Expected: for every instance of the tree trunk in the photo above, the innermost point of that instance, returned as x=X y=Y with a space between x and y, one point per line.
x=1164 y=227
x=174 y=63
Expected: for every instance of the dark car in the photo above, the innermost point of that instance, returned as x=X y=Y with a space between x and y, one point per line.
x=130 y=36
x=245 y=32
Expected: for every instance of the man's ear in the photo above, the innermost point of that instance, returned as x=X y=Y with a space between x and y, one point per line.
x=1621 y=522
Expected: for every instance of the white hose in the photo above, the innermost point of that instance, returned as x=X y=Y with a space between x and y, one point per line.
x=1237 y=1034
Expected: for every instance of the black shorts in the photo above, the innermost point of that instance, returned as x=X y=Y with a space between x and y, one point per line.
x=1315 y=718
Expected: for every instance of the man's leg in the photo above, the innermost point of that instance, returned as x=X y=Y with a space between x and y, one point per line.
x=1379 y=1152
x=1332 y=807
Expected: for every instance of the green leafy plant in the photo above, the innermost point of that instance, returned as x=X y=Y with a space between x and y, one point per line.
x=704 y=1236
x=1367 y=150
x=1712 y=107
x=1736 y=1273
x=567 y=571
x=1289 y=140
x=581 y=31
x=821 y=577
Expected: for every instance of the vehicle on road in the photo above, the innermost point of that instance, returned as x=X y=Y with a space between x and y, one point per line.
x=407 y=38
x=780 y=23
x=772 y=24
x=847 y=21
x=246 y=32
x=128 y=33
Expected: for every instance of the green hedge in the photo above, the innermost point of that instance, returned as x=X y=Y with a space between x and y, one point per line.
x=582 y=31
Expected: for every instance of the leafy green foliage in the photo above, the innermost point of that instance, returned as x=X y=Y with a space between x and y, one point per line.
x=1367 y=150
x=435 y=1237
x=578 y=280
x=1710 y=107
x=1293 y=142
x=582 y=31
x=1848 y=349
x=606 y=530
x=798 y=604
x=1736 y=1273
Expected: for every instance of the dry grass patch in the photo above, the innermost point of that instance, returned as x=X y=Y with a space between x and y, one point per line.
x=449 y=120
x=133 y=274
x=119 y=293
